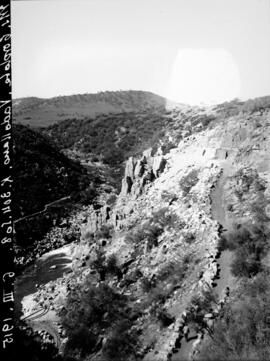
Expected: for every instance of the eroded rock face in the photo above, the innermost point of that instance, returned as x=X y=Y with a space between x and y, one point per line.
x=97 y=218
x=158 y=165
x=139 y=172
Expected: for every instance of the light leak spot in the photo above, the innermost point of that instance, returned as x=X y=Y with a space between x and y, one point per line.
x=207 y=76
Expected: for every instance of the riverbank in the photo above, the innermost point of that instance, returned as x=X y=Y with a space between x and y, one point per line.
x=48 y=267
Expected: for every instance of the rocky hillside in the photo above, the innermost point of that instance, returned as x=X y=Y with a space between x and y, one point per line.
x=172 y=269
x=43 y=112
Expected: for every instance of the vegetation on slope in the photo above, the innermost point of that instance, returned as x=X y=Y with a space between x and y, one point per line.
x=112 y=137
x=43 y=112
x=242 y=332
x=45 y=175
x=107 y=315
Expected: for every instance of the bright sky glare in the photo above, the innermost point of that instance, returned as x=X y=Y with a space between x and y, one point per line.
x=190 y=51
x=204 y=76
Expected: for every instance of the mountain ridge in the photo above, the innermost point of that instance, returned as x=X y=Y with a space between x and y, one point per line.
x=35 y=111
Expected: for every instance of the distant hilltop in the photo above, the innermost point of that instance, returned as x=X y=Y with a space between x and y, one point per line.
x=35 y=111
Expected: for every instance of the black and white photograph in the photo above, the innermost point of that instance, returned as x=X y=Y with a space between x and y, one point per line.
x=135 y=192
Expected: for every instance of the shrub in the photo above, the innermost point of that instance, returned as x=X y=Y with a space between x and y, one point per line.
x=112 y=199
x=190 y=238
x=112 y=266
x=168 y=197
x=163 y=217
x=205 y=301
x=121 y=343
x=147 y=232
x=88 y=236
x=243 y=331
x=99 y=264
x=94 y=307
x=146 y=284
x=245 y=264
x=105 y=231
x=166 y=147
x=251 y=245
x=257 y=104
x=82 y=340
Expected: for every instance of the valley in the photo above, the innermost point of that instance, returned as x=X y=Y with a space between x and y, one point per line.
x=164 y=208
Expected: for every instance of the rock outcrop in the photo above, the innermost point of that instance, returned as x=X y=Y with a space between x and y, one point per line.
x=138 y=173
x=141 y=171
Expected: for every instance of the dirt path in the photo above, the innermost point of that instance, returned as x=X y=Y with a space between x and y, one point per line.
x=226 y=279
x=43 y=211
x=219 y=213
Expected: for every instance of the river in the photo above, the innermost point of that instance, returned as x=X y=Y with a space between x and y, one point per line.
x=49 y=267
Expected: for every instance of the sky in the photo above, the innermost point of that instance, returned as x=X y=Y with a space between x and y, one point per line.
x=191 y=51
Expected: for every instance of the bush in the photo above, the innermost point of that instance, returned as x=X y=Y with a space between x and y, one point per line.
x=82 y=340
x=121 y=343
x=112 y=266
x=164 y=218
x=88 y=236
x=205 y=301
x=99 y=264
x=147 y=232
x=250 y=244
x=190 y=238
x=91 y=306
x=243 y=331
x=146 y=284
x=245 y=264
x=257 y=104
x=104 y=232
x=150 y=230
x=166 y=147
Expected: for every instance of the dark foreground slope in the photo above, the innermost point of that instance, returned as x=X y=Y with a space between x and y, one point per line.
x=43 y=173
x=47 y=186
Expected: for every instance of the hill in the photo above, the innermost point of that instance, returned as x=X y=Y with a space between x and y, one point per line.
x=43 y=112
x=177 y=265
x=185 y=245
